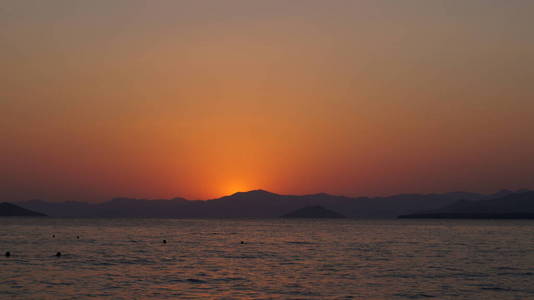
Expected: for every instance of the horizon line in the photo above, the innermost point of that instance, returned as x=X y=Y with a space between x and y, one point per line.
x=280 y=194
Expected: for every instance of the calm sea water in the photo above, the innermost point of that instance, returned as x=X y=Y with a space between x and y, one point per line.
x=281 y=259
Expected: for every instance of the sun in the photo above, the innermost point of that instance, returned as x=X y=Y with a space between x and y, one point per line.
x=234 y=187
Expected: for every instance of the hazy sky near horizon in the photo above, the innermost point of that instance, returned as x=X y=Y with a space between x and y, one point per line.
x=158 y=99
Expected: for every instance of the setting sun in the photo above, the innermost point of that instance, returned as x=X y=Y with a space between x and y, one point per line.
x=234 y=187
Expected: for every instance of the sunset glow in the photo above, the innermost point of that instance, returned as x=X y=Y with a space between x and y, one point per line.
x=200 y=99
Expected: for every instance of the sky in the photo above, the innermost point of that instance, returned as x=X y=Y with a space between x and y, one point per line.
x=199 y=99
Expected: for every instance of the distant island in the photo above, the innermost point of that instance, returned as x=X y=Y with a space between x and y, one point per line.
x=512 y=206
x=12 y=210
x=258 y=204
x=315 y=212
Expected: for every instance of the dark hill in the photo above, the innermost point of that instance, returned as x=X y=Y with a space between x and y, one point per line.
x=253 y=204
x=513 y=206
x=11 y=210
x=314 y=212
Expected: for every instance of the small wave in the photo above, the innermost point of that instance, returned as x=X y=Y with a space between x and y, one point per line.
x=414 y=296
x=473 y=275
x=139 y=261
x=228 y=279
x=241 y=256
x=395 y=275
x=300 y=243
x=101 y=264
x=194 y=280
x=491 y=287
x=506 y=268
x=497 y=289
x=520 y=274
x=63 y=283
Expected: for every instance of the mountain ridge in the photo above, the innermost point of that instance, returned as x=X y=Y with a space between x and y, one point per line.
x=11 y=210
x=518 y=205
x=255 y=204
x=313 y=212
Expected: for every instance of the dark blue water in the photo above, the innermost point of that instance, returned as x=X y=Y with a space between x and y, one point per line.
x=281 y=259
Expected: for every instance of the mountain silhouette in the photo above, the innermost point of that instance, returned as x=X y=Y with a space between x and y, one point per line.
x=252 y=204
x=316 y=212
x=519 y=205
x=12 y=210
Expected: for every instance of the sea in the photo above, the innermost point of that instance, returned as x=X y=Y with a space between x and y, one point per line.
x=266 y=259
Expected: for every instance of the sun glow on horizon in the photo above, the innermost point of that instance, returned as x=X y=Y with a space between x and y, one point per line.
x=203 y=99
x=234 y=187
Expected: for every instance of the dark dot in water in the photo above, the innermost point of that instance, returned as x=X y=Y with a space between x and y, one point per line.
x=242 y=242
x=58 y=254
x=78 y=237
x=8 y=254
x=164 y=241
x=53 y=235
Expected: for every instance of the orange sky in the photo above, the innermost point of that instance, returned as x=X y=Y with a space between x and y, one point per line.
x=199 y=99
